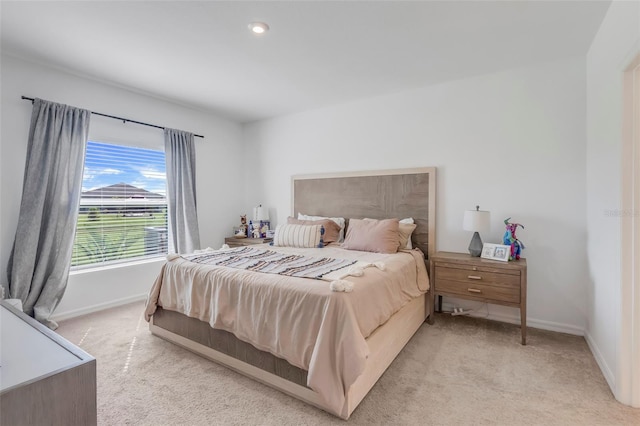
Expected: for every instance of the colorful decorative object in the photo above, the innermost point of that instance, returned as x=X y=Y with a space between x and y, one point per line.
x=255 y=230
x=242 y=231
x=511 y=240
x=258 y=229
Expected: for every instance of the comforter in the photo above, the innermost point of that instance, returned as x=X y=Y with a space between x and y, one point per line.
x=298 y=319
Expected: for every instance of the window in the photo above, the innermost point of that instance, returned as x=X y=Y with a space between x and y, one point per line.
x=123 y=207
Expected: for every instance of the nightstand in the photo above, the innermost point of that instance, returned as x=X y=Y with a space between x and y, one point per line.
x=239 y=242
x=462 y=276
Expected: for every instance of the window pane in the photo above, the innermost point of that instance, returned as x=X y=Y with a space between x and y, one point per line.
x=123 y=208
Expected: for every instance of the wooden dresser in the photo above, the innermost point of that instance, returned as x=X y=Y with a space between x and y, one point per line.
x=44 y=379
x=461 y=276
x=239 y=242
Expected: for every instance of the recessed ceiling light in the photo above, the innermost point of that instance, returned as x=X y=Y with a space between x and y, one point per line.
x=258 y=27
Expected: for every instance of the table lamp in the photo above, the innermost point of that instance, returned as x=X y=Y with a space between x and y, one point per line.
x=476 y=221
x=261 y=220
x=261 y=213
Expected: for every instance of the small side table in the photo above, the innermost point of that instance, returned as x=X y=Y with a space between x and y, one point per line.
x=462 y=276
x=240 y=242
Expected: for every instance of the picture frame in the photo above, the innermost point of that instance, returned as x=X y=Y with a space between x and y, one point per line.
x=499 y=252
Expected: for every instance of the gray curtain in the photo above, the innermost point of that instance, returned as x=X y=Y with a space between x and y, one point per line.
x=39 y=264
x=180 y=156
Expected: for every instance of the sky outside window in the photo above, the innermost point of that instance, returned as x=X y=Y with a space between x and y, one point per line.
x=108 y=164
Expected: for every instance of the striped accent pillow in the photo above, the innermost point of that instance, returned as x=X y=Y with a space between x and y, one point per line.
x=331 y=229
x=301 y=236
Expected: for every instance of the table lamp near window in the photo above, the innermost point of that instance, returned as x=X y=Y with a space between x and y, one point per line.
x=476 y=221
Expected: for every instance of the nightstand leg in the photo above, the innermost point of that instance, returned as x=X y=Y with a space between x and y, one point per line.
x=439 y=304
x=523 y=324
x=430 y=308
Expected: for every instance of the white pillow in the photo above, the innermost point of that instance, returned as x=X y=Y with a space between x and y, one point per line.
x=301 y=236
x=339 y=220
x=408 y=220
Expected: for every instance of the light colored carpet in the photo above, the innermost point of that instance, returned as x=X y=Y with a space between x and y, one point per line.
x=459 y=371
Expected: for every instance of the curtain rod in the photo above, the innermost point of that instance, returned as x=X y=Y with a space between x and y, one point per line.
x=120 y=118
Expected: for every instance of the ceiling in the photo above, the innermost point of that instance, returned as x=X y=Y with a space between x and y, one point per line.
x=317 y=53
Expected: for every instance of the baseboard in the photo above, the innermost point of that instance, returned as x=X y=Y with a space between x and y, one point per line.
x=604 y=367
x=515 y=319
x=60 y=316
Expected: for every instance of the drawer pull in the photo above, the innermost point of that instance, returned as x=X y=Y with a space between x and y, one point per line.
x=474 y=290
x=474 y=277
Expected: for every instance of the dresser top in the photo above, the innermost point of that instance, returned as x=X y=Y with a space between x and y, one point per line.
x=30 y=350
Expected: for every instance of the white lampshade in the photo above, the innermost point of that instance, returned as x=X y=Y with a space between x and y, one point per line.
x=476 y=220
x=261 y=213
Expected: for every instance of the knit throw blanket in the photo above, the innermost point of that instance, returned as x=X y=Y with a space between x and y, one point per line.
x=271 y=262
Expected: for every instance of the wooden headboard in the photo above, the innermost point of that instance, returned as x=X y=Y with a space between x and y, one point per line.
x=380 y=194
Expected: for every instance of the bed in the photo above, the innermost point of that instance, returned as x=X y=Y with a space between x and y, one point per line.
x=327 y=348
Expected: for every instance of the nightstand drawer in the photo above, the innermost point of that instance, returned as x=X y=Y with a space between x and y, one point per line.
x=479 y=277
x=495 y=268
x=498 y=293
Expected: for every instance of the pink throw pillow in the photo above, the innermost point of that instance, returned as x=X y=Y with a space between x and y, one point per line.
x=378 y=236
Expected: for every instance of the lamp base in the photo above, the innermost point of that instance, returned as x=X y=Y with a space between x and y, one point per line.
x=475 y=246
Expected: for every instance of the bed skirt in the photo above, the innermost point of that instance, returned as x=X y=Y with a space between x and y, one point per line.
x=228 y=344
x=220 y=346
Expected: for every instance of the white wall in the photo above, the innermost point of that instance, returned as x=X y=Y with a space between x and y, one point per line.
x=613 y=48
x=512 y=142
x=219 y=200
